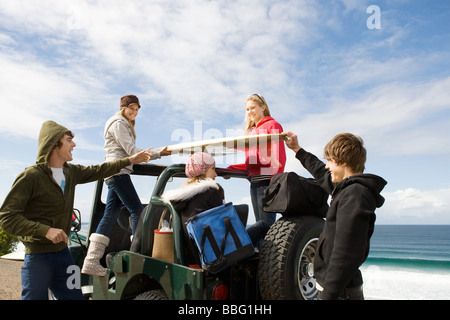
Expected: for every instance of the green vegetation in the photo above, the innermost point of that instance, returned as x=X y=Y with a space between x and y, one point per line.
x=8 y=243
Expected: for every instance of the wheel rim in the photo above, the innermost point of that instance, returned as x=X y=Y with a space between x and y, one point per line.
x=305 y=271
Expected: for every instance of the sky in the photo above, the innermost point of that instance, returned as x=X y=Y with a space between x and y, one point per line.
x=378 y=69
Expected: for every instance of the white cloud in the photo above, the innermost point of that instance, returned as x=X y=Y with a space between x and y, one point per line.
x=203 y=58
x=33 y=93
x=192 y=60
x=7 y=165
x=411 y=205
x=396 y=118
x=196 y=57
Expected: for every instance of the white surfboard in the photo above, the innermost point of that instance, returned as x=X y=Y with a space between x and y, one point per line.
x=16 y=255
x=226 y=145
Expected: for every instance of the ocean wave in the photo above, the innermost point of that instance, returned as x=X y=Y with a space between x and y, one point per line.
x=393 y=283
x=413 y=263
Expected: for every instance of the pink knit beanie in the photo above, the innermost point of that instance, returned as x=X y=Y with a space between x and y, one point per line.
x=198 y=164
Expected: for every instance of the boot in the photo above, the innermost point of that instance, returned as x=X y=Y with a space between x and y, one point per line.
x=97 y=246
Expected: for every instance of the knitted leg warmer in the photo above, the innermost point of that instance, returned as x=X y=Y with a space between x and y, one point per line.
x=97 y=246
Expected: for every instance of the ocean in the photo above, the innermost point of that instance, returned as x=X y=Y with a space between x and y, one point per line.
x=408 y=262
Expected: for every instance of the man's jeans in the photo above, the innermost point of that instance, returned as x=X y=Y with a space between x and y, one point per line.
x=44 y=271
x=120 y=192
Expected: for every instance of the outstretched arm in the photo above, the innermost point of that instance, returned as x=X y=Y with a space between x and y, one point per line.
x=291 y=141
x=310 y=162
x=142 y=156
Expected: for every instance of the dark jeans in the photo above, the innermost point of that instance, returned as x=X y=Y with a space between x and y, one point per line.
x=49 y=270
x=264 y=220
x=355 y=293
x=121 y=192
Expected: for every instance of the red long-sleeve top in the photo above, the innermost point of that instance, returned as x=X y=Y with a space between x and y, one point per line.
x=266 y=159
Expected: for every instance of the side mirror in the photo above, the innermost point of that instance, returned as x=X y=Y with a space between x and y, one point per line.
x=76 y=220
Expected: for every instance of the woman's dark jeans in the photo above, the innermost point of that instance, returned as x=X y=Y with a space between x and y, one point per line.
x=264 y=220
x=121 y=192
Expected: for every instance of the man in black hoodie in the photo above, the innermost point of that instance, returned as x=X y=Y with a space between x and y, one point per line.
x=344 y=243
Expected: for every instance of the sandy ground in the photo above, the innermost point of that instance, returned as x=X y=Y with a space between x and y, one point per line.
x=10 y=283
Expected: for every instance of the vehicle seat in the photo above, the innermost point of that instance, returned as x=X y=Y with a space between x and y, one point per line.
x=120 y=237
x=242 y=211
x=136 y=244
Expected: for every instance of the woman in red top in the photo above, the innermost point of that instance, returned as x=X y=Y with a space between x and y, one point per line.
x=261 y=162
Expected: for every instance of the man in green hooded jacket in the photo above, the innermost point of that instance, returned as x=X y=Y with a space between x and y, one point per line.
x=39 y=209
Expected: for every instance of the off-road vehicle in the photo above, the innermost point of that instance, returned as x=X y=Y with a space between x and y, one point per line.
x=282 y=268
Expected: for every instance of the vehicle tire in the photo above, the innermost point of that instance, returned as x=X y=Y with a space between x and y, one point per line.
x=286 y=264
x=152 y=295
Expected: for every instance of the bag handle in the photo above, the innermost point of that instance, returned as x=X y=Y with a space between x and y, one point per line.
x=207 y=234
x=162 y=218
x=230 y=230
x=269 y=197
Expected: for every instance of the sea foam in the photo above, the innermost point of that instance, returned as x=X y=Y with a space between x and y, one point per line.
x=386 y=283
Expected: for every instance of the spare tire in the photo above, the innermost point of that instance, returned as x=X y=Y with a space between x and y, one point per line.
x=157 y=294
x=286 y=264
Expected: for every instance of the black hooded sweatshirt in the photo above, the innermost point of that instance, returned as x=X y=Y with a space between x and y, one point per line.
x=344 y=243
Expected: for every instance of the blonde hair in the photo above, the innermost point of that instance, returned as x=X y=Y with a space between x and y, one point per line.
x=260 y=101
x=131 y=122
x=196 y=179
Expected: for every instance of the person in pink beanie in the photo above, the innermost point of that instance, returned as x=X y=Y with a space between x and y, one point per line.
x=198 y=165
x=200 y=193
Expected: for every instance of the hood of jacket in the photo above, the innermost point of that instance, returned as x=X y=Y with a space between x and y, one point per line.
x=50 y=134
x=114 y=118
x=263 y=122
x=373 y=182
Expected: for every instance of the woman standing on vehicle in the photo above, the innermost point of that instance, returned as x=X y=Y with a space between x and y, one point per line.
x=120 y=139
x=261 y=162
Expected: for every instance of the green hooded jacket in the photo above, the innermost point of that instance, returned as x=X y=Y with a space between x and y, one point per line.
x=36 y=202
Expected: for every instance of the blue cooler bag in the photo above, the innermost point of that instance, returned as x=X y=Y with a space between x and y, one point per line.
x=220 y=237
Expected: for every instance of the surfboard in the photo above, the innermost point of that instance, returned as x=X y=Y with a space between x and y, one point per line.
x=221 y=146
x=16 y=255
